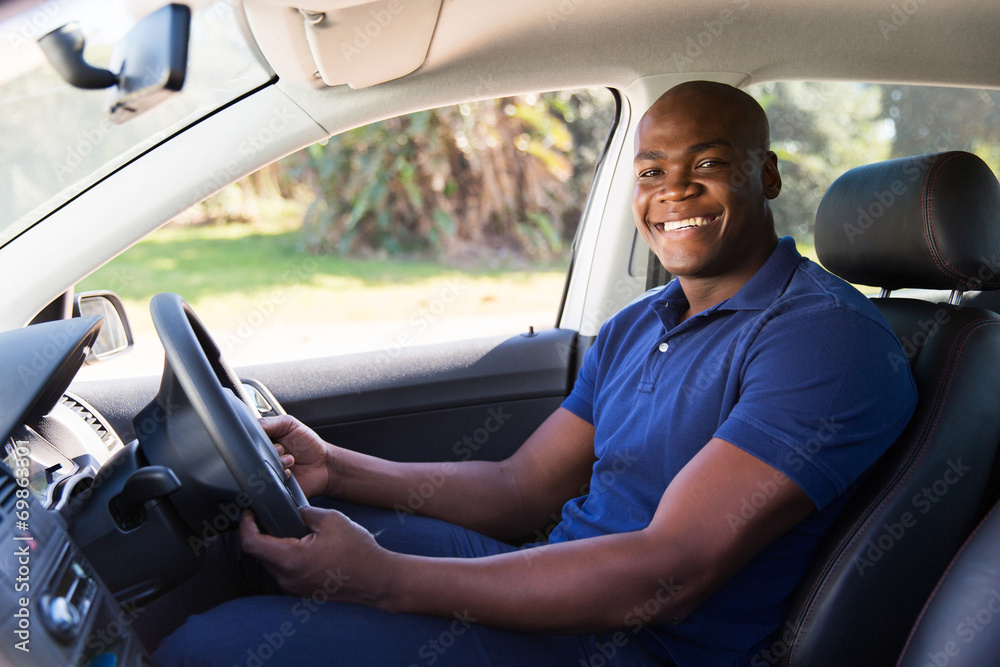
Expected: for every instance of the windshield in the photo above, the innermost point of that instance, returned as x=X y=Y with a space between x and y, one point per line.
x=57 y=140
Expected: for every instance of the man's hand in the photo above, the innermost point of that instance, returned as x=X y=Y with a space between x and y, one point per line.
x=338 y=557
x=302 y=452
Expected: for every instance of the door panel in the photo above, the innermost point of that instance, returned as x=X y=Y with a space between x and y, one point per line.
x=422 y=404
x=474 y=399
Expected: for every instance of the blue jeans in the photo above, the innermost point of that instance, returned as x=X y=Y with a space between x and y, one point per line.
x=284 y=630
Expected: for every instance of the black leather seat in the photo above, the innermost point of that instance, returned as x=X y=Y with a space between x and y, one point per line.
x=960 y=625
x=930 y=222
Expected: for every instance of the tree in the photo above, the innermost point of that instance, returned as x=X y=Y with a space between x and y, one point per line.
x=818 y=131
x=508 y=175
x=928 y=119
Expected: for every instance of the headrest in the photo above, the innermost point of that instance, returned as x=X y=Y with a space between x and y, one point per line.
x=928 y=222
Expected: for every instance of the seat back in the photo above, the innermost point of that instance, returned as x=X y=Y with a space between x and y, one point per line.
x=926 y=222
x=957 y=626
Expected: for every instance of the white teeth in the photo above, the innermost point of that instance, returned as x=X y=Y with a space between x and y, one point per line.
x=689 y=222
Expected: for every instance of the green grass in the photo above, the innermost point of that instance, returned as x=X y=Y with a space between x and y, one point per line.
x=214 y=261
x=257 y=288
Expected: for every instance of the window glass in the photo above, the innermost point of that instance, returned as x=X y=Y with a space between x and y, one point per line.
x=441 y=225
x=820 y=130
x=57 y=140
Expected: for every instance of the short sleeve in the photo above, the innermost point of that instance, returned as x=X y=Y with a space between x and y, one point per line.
x=820 y=399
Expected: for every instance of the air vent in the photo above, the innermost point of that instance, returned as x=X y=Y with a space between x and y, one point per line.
x=87 y=413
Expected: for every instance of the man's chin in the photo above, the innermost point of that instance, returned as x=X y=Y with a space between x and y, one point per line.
x=678 y=266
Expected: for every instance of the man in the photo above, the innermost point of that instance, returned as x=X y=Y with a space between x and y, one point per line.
x=717 y=428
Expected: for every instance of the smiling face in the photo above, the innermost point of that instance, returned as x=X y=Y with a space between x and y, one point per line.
x=703 y=178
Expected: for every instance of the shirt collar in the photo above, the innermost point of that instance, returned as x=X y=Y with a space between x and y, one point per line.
x=770 y=280
x=756 y=294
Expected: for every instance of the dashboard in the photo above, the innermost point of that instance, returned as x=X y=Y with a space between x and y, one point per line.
x=57 y=608
x=95 y=527
x=63 y=451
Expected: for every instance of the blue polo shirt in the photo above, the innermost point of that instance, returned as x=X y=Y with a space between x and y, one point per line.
x=795 y=369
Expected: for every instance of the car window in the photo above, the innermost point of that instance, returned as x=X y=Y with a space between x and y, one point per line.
x=58 y=140
x=819 y=130
x=441 y=225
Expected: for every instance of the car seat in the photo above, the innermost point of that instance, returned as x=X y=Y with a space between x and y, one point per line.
x=927 y=222
x=960 y=625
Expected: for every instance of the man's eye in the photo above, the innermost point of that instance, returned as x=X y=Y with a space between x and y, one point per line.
x=711 y=163
x=647 y=173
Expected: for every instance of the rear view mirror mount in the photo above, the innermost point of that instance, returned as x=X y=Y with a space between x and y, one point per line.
x=147 y=67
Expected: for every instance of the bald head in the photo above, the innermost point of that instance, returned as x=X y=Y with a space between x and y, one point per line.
x=704 y=178
x=738 y=109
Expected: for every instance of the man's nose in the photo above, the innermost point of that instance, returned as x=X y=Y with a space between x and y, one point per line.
x=676 y=185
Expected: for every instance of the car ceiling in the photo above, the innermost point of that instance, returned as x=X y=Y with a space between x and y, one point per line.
x=495 y=48
x=484 y=49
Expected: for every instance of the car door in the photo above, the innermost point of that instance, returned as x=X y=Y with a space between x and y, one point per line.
x=477 y=398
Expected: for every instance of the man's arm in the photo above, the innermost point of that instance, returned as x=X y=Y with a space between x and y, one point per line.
x=506 y=499
x=690 y=548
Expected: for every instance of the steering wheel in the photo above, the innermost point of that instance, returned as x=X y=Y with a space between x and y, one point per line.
x=202 y=425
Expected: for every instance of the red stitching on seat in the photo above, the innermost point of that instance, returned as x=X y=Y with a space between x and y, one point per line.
x=927 y=213
x=944 y=576
x=964 y=335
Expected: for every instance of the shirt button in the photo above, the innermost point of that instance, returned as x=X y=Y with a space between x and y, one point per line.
x=663 y=347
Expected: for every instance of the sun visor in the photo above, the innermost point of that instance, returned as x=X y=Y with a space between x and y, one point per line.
x=357 y=42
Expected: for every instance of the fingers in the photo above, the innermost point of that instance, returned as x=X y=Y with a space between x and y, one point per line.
x=264 y=547
x=279 y=426
x=313 y=516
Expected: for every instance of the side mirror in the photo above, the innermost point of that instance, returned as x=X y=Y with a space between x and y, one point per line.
x=116 y=335
x=147 y=67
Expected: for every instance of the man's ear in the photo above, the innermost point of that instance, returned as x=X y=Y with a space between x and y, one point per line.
x=769 y=176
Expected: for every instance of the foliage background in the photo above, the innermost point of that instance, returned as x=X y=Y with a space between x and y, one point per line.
x=507 y=178
x=346 y=245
